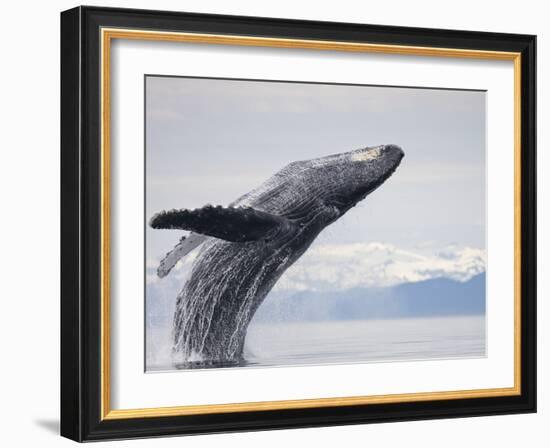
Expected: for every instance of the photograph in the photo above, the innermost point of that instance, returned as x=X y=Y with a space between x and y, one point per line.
x=299 y=223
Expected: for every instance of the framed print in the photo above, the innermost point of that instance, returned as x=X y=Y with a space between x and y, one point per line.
x=272 y=224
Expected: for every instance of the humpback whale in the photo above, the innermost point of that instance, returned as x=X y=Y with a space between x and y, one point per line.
x=247 y=246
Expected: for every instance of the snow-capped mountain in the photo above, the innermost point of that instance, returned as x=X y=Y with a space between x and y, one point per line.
x=434 y=297
x=344 y=266
x=362 y=279
x=329 y=267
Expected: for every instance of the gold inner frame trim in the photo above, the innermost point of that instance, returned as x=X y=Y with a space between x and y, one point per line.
x=107 y=35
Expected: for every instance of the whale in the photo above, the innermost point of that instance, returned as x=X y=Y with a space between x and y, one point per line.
x=247 y=246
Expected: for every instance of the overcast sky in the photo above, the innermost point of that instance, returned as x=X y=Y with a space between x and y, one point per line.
x=210 y=141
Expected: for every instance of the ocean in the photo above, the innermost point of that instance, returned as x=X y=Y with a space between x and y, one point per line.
x=343 y=342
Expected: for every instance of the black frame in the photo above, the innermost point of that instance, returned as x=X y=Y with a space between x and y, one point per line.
x=80 y=224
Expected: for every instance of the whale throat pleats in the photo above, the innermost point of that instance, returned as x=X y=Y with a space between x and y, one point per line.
x=237 y=225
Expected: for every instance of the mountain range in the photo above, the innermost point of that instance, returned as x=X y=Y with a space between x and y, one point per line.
x=434 y=297
x=355 y=281
x=327 y=267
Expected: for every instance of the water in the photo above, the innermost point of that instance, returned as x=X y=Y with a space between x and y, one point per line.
x=341 y=342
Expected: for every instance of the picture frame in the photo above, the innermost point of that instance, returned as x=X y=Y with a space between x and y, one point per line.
x=87 y=35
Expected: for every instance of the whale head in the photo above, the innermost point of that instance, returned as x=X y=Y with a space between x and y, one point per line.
x=342 y=180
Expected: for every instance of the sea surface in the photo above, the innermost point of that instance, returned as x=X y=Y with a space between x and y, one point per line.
x=343 y=342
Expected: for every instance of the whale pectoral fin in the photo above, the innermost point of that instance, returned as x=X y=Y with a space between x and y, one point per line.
x=181 y=249
x=237 y=225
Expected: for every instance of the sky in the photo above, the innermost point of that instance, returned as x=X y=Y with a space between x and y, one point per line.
x=210 y=141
